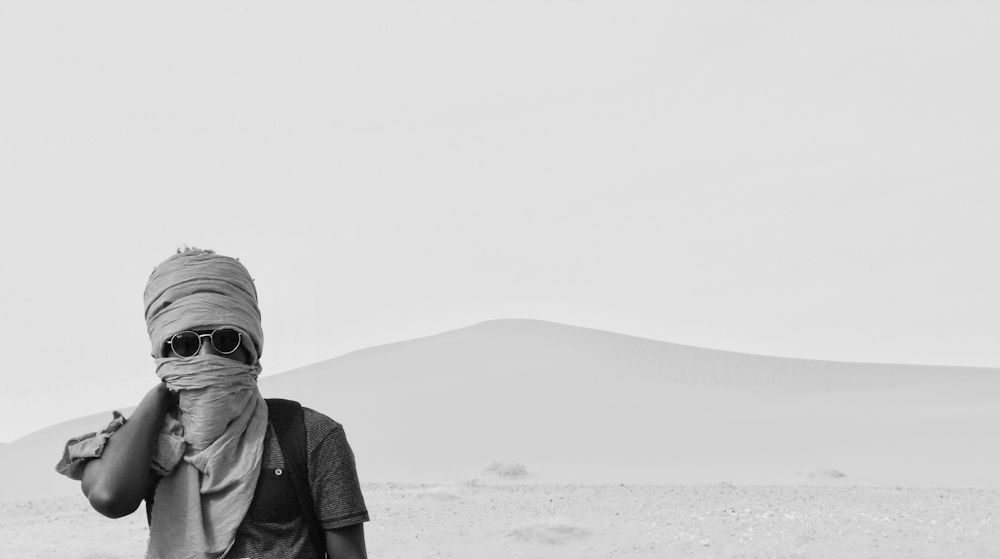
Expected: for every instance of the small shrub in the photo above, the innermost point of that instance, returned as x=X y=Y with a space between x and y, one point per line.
x=506 y=469
x=468 y=482
x=830 y=473
x=827 y=472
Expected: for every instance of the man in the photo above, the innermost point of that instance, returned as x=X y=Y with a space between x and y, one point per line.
x=200 y=446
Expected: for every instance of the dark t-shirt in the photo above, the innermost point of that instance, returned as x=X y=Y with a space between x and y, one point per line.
x=277 y=531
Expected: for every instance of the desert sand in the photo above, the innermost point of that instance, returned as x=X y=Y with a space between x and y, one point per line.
x=633 y=446
x=496 y=520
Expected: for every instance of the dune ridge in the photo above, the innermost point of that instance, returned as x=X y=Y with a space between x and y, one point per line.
x=677 y=362
x=577 y=405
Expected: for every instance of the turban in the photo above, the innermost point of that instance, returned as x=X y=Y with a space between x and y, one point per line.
x=201 y=290
x=209 y=449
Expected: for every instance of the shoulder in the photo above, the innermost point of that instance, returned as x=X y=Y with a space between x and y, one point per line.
x=321 y=429
x=316 y=421
x=317 y=425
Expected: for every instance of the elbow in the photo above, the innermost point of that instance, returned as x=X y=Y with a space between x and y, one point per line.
x=111 y=505
x=112 y=495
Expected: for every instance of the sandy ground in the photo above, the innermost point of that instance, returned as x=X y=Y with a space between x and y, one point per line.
x=635 y=448
x=522 y=520
x=577 y=405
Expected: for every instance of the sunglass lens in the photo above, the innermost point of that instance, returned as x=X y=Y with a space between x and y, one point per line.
x=226 y=341
x=185 y=344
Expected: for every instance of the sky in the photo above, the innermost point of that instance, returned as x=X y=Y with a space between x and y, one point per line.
x=801 y=179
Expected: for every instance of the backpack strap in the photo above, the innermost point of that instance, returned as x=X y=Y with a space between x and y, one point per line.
x=290 y=429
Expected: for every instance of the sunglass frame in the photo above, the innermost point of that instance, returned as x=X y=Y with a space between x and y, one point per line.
x=239 y=341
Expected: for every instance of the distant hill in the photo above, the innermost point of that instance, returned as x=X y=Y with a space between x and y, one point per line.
x=581 y=405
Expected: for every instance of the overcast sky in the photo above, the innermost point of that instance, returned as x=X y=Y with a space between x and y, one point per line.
x=803 y=179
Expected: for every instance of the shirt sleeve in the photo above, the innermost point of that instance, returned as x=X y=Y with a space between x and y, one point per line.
x=79 y=450
x=333 y=477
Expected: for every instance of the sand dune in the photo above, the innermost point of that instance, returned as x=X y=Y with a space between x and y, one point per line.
x=581 y=405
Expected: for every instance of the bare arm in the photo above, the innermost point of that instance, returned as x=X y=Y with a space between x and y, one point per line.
x=347 y=542
x=117 y=482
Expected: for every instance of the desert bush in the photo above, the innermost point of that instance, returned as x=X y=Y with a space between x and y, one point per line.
x=505 y=469
x=826 y=472
x=464 y=481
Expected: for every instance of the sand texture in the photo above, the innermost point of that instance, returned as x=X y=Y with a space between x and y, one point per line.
x=632 y=446
x=585 y=406
x=505 y=520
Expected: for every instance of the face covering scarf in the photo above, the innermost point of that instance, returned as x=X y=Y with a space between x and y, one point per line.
x=210 y=448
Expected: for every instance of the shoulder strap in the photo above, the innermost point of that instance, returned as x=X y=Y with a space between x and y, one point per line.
x=290 y=428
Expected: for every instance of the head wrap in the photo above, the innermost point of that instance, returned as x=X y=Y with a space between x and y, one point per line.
x=201 y=290
x=210 y=447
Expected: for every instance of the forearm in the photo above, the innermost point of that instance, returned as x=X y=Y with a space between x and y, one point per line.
x=346 y=543
x=116 y=482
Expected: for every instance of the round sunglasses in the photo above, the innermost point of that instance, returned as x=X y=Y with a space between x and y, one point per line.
x=188 y=343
